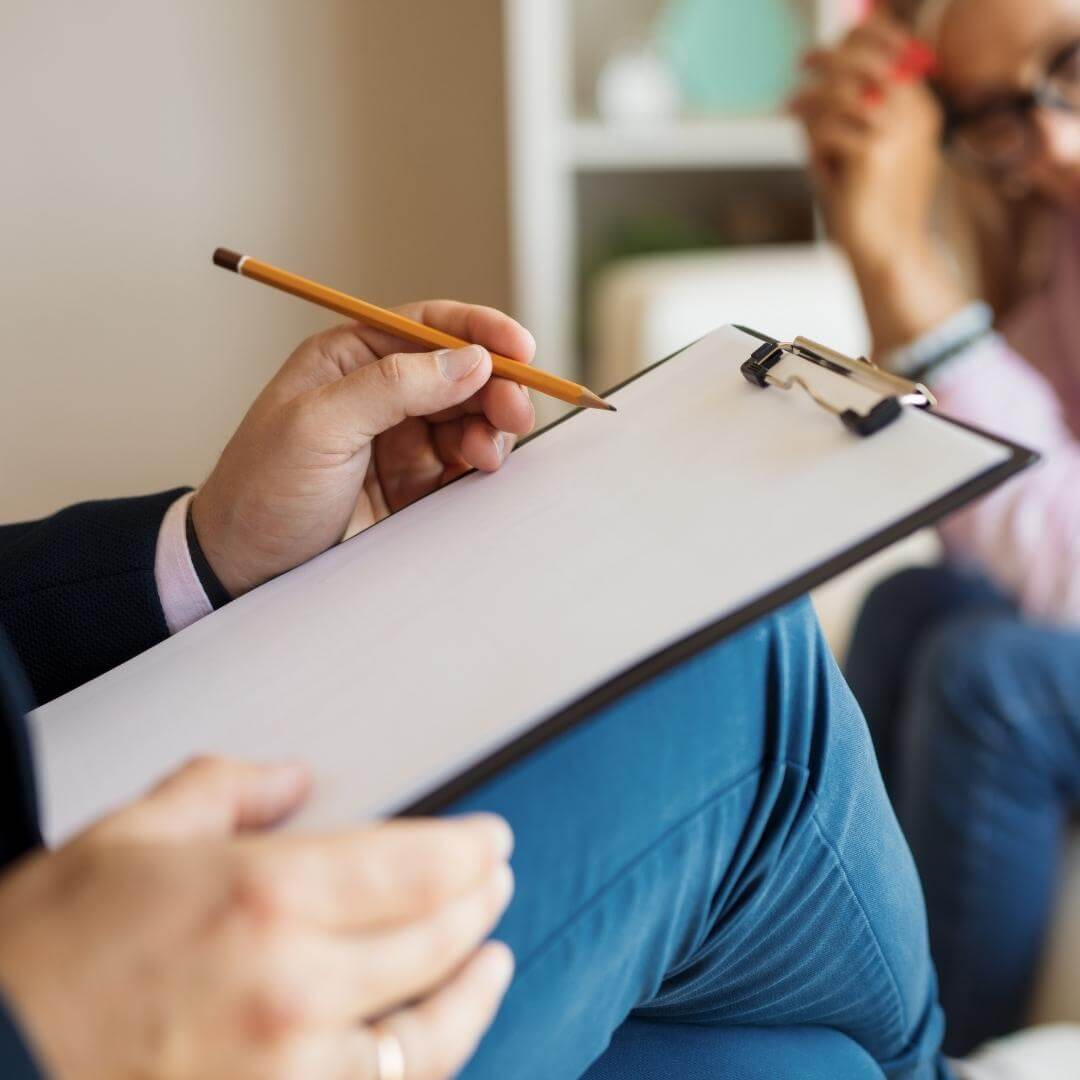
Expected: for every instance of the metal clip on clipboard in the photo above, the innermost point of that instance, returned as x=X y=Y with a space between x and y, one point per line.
x=895 y=391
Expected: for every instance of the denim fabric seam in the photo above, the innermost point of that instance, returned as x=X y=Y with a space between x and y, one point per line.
x=866 y=918
x=671 y=998
x=645 y=853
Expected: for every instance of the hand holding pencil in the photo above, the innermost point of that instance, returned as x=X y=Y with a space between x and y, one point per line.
x=356 y=425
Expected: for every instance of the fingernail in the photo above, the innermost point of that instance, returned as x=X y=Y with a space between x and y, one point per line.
x=525 y=391
x=499 y=833
x=503 y=884
x=502 y=836
x=286 y=778
x=457 y=364
x=498 y=961
x=502 y=444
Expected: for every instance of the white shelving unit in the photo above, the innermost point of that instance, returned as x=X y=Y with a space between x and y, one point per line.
x=736 y=143
x=555 y=150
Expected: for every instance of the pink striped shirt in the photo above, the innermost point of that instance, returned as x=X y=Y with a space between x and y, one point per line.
x=1025 y=383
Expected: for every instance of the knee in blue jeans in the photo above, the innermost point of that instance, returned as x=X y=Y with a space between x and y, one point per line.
x=920 y=591
x=970 y=674
x=897 y=592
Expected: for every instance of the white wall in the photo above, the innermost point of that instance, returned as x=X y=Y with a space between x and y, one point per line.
x=357 y=141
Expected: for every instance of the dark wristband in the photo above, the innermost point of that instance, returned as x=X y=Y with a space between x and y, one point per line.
x=926 y=369
x=216 y=593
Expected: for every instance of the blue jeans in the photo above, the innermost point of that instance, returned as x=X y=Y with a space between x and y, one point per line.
x=710 y=882
x=975 y=713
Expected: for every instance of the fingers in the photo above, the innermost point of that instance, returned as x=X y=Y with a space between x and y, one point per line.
x=447 y=437
x=367 y=974
x=373 y=395
x=837 y=138
x=843 y=99
x=391 y=874
x=411 y=462
x=440 y=1034
x=214 y=796
x=507 y=405
x=374 y=398
x=431 y=1041
x=840 y=106
x=864 y=62
x=484 y=446
x=416 y=457
x=483 y=325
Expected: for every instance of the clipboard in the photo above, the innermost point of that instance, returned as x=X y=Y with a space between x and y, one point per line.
x=321 y=662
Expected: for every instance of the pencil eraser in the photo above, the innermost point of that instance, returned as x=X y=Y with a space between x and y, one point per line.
x=227 y=260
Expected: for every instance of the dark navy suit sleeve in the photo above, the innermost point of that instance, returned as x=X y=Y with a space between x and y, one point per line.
x=77 y=590
x=16 y=1060
x=77 y=597
x=19 y=831
x=10 y=533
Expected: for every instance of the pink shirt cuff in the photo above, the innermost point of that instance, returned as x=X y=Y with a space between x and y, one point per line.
x=182 y=597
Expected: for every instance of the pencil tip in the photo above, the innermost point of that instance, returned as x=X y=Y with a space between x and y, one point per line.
x=594 y=401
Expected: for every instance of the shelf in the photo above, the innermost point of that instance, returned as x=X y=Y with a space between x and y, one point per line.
x=751 y=142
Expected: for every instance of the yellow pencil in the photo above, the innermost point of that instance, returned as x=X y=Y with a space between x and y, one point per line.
x=525 y=374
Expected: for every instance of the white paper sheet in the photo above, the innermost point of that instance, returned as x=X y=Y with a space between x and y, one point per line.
x=420 y=646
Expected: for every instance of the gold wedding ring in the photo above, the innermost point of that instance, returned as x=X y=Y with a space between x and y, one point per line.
x=389 y=1056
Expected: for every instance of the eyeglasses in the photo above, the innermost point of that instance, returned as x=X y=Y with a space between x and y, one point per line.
x=1001 y=134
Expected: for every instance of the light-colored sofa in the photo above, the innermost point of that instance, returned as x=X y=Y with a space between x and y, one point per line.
x=646 y=308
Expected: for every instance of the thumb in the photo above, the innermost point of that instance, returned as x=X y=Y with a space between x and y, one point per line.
x=213 y=797
x=379 y=396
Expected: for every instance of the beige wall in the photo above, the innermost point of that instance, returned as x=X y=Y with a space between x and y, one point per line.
x=359 y=141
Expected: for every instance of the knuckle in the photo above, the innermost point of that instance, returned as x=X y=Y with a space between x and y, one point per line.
x=435 y=880
x=391 y=370
x=300 y=415
x=453 y=931
x=257 y=892
x=211 y=776
x=205 y=764
x=215 y=776
x=272 y=1011
x=431 y=890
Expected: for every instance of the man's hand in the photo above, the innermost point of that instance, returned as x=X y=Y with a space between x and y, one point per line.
x=356 y=425
x=172 y=940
